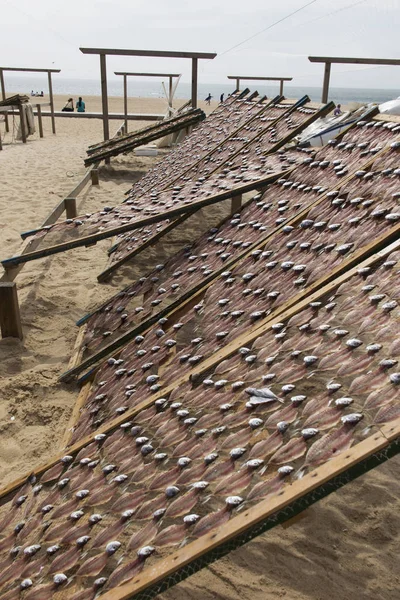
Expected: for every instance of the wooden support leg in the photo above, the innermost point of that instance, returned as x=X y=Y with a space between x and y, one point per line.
x=10 y=319
x=22 y=120
x=94 y=174
x=70 y=208
x=40 y=122
x=236 y=203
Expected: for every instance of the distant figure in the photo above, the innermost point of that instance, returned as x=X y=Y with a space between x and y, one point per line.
x=69 y=107
x=337 y=111
x=221 y=98
x=41 y=94
x=208 y=99
x=32 y=93
x=80 y=105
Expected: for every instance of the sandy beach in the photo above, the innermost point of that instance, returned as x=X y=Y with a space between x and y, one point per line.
x=346 y=547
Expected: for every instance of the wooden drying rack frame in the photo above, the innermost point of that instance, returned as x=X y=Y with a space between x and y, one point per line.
x=92 y=239
x=126 y=74
x=288 y=503
x=192 y=295
x=330 y=60
x=29 y=70
x=104 y=52
x=238 y=78
x=10 y=319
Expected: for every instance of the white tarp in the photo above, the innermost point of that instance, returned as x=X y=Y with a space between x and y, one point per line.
x=390 y=108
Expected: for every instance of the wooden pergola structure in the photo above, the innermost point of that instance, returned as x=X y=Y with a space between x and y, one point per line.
x=245 y=78
x=103 y=52
x=329 y=60
x=26 y=70
x=125 y=75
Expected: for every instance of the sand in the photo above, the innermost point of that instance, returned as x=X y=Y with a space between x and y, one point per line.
x=347 y=545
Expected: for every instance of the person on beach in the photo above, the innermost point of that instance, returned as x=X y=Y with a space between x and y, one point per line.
x=208 y=99
x=80 y=105
x=69 y=107
x=337 y=111
x=221 y=98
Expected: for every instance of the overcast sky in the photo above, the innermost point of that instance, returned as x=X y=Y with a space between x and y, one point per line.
x=48 y=33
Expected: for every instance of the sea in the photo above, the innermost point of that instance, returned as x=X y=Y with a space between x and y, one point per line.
x=150 y=88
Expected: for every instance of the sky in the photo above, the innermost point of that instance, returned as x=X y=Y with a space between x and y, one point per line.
x=245 y=34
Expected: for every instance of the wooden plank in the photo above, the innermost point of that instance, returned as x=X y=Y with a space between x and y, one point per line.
x=10 y=318
x=40 y=122
x=53 y=121
x=256 y=515
x=151 y=53
x=80 y=403
x=111 y=116
x=355 y=61
x=55 y=214
x=194 y=82
x=94 y=238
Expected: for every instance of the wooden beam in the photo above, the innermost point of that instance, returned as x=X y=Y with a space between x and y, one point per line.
x=30 y=70
x=40 y=122
x=149 y=53
x=281 y=87
x=130 y=74
x=53 y=121
x=104 y=96
x=10 y=318
x=3 y=96
x=325 y=85
x=259 y=78
x=126 y=104
x=355 y=61
x=194 y=82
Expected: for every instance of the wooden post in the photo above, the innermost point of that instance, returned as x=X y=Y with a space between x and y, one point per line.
x=22 y=121
x=126 y=103
x=104 y=96
x=236 y=203
x=194 y=82
x=3 y=96
x=325 y=87
x=10 y=319
x=40 y=122
x=281 y=88
x=94 y=174
x=170 y=97
x=238 y=84
x=70 y=207
x=53 y=121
